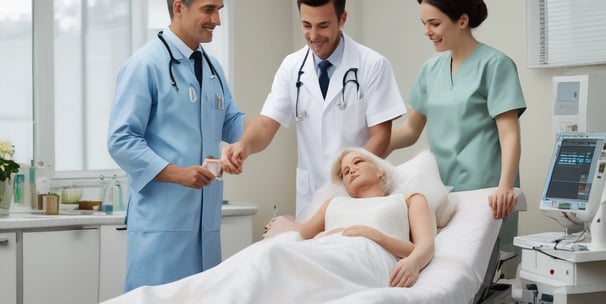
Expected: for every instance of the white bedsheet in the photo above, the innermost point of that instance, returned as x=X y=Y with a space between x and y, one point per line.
x=286 y=270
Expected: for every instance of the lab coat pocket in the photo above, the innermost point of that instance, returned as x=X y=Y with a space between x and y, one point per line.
x=214 y=113
x=303 y=182
x=353 y=122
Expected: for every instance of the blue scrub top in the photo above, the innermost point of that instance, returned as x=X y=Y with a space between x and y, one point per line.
x=461 y=111
x=173 y=231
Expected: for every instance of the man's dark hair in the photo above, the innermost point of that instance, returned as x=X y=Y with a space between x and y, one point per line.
x=338 y=4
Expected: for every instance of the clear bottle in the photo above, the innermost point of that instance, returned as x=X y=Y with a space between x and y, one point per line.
x=42 y=175
x=107 y=197
x=117 y=194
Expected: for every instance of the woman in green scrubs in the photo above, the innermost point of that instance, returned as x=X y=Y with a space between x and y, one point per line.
x=470 y=99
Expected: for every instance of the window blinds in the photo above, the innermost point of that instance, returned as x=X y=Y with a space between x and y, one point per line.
x=569 y=33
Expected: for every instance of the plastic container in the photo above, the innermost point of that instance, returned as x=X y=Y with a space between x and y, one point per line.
x=117 y=195
x=33 y=194
x=18 y=194
x=107 y=197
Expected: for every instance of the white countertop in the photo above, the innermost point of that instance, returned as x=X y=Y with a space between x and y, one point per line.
x=29 y=220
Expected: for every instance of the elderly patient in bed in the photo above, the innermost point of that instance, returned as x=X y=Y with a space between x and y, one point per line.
x=371 y=239
x=399 y=223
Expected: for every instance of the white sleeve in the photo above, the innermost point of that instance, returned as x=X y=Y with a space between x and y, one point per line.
x=278 y=104
x=381 y=93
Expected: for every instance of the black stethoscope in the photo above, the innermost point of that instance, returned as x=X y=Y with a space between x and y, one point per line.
x=342 y=104
x=175 y=61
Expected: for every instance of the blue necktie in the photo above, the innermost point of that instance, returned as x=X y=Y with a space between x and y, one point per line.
x=197 y=57
x=324 y=65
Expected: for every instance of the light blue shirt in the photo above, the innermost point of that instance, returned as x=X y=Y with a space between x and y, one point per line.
x=173 y=231
x=335 y=58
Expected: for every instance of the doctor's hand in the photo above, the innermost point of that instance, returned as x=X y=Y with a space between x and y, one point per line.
x=233 y=156
x=192 y=177
x=405 y=273
x=502 y=202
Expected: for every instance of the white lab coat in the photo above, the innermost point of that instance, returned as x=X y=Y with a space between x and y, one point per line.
x=327 y=129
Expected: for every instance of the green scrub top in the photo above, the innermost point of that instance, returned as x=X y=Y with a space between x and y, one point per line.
x=460 y=112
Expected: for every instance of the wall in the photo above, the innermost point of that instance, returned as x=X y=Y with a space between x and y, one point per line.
x=265 y=33
x=262 y=38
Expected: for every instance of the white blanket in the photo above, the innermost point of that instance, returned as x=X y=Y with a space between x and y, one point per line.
x=337 y=269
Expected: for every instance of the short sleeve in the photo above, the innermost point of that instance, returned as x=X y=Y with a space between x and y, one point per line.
x=382 y=94
x=277 y=105
x=503 y=87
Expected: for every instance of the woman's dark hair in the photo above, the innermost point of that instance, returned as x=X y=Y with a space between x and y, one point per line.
x=338 y=4
x=476 y=10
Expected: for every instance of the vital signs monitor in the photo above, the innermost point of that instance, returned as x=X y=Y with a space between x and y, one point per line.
x=575 y=181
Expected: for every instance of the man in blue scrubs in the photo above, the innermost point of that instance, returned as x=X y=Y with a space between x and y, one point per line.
x=163 y=125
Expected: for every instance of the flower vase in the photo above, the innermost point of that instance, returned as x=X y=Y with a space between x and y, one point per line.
x=6 y=194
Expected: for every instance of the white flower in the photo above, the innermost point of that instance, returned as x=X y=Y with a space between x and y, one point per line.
x=6 y=148
x=7 y=165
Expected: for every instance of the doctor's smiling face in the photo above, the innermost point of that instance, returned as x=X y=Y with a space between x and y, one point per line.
x=194 y=20
x=321 y=26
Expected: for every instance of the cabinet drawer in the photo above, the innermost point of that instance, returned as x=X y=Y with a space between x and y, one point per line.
x=61 y=266
x=8 y=267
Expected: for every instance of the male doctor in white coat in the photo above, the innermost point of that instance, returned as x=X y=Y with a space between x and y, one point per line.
x=163 y=125
x=361 y=100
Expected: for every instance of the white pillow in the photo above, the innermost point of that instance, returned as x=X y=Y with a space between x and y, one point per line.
x=421 y=174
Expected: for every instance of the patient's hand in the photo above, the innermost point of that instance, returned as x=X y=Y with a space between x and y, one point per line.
x=364 y=231
x=329 y=232
x=405 y=273
x=279 y=225
x=502 y=202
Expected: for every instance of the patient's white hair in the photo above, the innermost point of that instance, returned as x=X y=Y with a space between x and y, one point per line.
x=388 y=180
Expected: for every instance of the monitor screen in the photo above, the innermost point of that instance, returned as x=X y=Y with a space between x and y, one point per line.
x=575 y=168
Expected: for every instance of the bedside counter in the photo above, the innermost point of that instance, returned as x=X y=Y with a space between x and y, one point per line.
x=239 y=209
x=23 y=220
x=19 y=221
x=236 y=227
x=88 y=250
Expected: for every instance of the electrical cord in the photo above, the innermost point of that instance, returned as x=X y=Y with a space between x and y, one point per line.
x=540 y=249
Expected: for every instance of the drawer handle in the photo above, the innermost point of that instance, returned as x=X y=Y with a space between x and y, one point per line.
x=3 y=241
x=120 y=228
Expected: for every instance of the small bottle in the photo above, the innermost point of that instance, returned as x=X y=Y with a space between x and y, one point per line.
x=33 y=195
x=108 y=203
x=42 y=175
x=117 y=194
x=107 y=197
x=24 y=169
x=19 y=178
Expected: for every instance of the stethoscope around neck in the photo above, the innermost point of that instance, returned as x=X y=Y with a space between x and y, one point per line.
x=173 y=60
x=342 y=104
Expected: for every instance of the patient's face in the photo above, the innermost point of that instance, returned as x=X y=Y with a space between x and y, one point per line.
x=357 y=172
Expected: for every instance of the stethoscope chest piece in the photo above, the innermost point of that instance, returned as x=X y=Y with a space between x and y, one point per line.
x=301 y=116
x=341 y=104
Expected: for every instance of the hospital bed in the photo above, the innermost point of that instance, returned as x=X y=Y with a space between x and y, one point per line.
x=464 y=248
